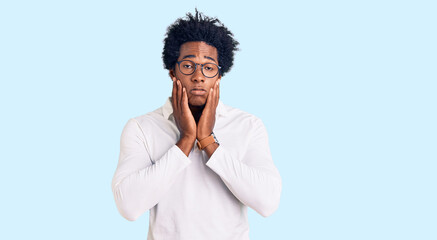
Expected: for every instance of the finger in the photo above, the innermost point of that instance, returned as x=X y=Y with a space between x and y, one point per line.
x=179 y=97
x=210 y=99
x=173 y=95
x=213 y=95
x=185 y=106
x=217 y=93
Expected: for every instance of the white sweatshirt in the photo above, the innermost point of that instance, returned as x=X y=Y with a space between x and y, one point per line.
x=195 y=197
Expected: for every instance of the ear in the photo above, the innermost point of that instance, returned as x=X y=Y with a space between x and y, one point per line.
x=171 y=73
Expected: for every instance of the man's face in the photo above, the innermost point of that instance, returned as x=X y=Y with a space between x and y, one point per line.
x=196 y=84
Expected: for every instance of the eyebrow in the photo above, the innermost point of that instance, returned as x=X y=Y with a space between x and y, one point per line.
x=192 y=56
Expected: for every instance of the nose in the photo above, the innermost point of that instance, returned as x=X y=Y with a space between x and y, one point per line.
x=198 y=75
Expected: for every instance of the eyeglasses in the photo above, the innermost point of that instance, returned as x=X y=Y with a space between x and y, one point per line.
x=188 y=67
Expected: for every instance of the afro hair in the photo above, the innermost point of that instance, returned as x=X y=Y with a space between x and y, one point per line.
x=199 y=28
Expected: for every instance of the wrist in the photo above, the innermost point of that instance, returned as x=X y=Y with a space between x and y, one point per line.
x=201 y=136
x=188 y=138
x=186 y=144
x=202 y=143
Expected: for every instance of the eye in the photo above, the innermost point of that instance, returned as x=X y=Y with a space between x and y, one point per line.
x=209 y=67
x=188 y=65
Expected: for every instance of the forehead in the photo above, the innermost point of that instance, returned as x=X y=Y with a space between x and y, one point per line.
x=198 y=49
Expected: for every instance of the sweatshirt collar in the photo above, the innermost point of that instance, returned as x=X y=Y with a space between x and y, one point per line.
x=167 y=109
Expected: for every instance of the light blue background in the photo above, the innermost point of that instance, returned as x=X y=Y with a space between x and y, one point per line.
x=346 y=89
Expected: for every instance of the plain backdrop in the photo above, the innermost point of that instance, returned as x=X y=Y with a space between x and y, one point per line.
x=346 y=89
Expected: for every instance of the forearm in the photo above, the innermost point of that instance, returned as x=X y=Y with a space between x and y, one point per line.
x=210 y=149
x=257 y=187
x=138 y=191
x=186 y=144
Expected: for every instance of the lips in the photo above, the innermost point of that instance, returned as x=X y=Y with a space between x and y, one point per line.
x=198 y=91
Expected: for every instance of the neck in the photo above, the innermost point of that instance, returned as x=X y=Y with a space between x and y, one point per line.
x=197 y=112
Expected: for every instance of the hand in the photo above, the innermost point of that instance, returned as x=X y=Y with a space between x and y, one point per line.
x=207 y=120
x=182 y=114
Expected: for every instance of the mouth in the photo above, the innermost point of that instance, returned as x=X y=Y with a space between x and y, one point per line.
x=198 y=91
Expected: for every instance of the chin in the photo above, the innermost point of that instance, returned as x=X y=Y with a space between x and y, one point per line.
x=197 y=102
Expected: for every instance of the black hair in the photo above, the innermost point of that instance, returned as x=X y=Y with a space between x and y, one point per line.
x=199 y=28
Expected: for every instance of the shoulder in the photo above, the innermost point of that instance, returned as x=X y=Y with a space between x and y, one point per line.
x=238 y=129
x=152 y=116
x=237 y=114
x=240 y=118
x=148 y=120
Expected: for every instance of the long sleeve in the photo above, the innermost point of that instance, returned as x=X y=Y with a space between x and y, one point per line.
x=139 y=182
x=254 y=179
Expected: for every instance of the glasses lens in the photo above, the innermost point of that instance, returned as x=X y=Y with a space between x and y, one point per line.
x=210 y=70
x=187 y=67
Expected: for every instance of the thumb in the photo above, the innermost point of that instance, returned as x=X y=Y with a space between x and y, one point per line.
x=209 y=99
x=185 y=100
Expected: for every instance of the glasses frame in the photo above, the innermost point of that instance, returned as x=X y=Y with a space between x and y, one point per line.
x=195 y=68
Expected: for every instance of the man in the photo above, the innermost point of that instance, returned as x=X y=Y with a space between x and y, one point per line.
x=196 y=163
